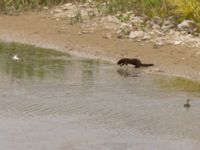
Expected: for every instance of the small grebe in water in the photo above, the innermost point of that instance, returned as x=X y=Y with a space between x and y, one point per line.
x=187 y=105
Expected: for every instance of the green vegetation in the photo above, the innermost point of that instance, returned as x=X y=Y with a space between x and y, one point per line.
x=19 y=5
x=182 y=9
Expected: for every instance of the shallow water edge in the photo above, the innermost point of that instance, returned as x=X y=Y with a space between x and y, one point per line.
x=17 y=38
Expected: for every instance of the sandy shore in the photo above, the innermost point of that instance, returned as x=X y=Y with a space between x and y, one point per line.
x=40 y=29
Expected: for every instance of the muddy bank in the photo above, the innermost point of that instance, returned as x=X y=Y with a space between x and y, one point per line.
x=41 y=30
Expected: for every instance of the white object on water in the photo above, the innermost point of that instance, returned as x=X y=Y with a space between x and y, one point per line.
x=15 y=57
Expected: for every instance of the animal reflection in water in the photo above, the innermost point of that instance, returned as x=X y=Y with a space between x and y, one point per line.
x=127 y=72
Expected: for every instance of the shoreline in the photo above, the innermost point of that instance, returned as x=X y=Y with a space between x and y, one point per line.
x=40 y=30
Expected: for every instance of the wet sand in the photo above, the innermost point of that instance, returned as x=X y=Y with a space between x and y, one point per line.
x=40 y=29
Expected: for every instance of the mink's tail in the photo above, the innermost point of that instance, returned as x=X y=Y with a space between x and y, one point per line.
x=147 y=65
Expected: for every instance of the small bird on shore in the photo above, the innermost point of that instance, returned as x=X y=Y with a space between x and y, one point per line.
x=187 y=105
x=15 y=57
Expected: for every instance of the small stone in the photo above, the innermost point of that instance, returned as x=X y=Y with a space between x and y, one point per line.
x=57 y=10
x=197 y=53
x=155 y=70
x=68 y=5
x=112 y=19
x=120 y=36
x=108 y=36
x=45 y=8
x=146 y=37
x=156 y=20
x=167 y=22
x=177 y=42
x=167 y=27
x=159 y=43
x=158 y=70
x=156 y=26
x=84 y=32
x=136 y=20
x=187 y=25
x=136 y=34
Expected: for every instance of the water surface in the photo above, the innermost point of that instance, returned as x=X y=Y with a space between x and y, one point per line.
x=52 y=101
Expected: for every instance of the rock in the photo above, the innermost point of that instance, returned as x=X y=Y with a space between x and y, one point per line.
x=75 y=14
x=137 y=20
x=108 y=36
x=124 y=29
x=158 y=70
x=84 y=32
x=120 y=36
x=136 y=34
x=84 y=14
x=146 y=36
x=45 y=8
x=197 y=53
x=167 y=27
x=159 y=43
x=157 y=32
x=156 y=26
x=167 y=24
x=110 y=22
x=61 y=15
x=183 y=58
x=187 y=25
x=57 y=10
x=155 y=70
x=67 y=6
x=156 y=20
x=112 y=19
x=177 y=42
x=92 y=12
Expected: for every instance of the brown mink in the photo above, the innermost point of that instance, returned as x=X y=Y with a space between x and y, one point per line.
x=134 y=61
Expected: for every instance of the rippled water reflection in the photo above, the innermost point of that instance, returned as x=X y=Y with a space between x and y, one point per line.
x=51 y=101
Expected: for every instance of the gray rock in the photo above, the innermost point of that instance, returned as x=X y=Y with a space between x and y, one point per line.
x=67 y=6
x=156 y=20
x=57 y=10
x=124 y=29
x=112 y=19
x=45 y=8
x=167 y=27
x=188 y=26
x=84 y=14
x=167 y=24
x=146 y=36
x=108 y=36
x=136 y=34
x=156 y=26
x=137 y=20
x=177 y=42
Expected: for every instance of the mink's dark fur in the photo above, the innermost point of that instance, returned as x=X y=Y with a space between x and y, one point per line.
x=136 y=62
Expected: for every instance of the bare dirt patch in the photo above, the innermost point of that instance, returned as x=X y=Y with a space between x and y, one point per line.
x=38 y=28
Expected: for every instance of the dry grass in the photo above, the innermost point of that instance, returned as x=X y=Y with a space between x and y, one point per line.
x=183 y=9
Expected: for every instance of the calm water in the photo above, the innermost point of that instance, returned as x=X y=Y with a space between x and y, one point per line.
x=52 y=101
